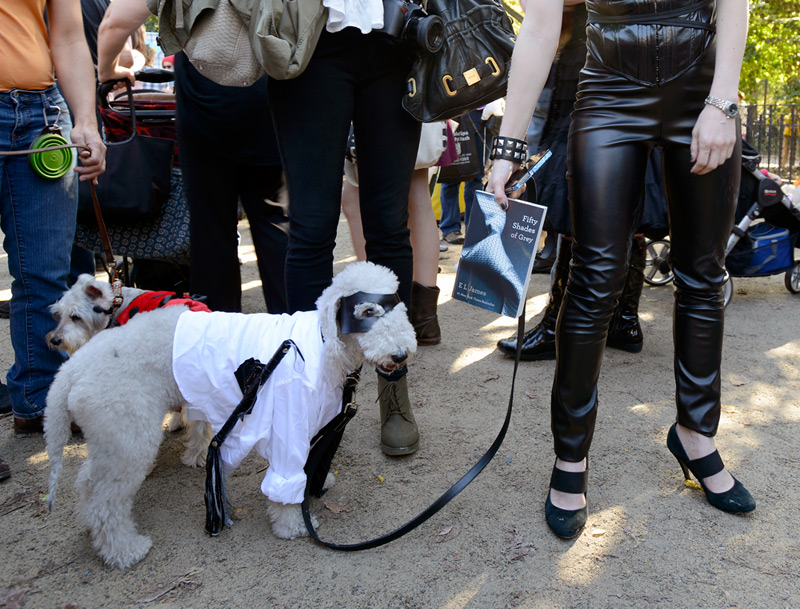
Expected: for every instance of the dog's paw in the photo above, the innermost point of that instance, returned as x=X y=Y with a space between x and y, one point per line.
x=287 y=520
x=193 y=458
x=126 y=553
x=173 y=421
x=330 y=480
x=197 y=438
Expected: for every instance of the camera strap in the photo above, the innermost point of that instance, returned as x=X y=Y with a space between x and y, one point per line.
x=333 y=434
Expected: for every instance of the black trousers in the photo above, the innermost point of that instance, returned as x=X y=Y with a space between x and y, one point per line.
x=359 y=78
x=214 y=186
x=614 y=128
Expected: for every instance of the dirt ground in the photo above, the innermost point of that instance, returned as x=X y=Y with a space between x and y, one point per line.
x=650 y=541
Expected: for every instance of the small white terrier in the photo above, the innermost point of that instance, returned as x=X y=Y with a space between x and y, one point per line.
x=83 y=311
x=88 y=307
x=172 y=356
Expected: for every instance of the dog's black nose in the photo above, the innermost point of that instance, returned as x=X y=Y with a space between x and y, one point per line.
x=399 y=358
x=55 y=341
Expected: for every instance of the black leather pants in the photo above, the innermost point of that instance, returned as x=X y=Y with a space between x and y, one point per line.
x=615 y=126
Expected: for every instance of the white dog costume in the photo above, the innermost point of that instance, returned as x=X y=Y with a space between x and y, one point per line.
x=209 y=348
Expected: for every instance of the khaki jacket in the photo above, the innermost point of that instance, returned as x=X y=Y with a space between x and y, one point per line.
x=283 y=33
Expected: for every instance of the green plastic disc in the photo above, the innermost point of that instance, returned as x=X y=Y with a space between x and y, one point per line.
x=51 y=164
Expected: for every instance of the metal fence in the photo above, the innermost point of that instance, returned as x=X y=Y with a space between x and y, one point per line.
x=775 y=131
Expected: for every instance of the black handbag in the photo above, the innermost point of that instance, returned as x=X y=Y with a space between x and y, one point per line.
x=165 y=236
x=471 y=68
x=469 y=164
x=136 y=182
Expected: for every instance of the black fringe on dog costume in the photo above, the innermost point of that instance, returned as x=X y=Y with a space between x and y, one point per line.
x=251 y=375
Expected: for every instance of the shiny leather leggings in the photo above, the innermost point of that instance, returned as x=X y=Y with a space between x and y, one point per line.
x=615 y=126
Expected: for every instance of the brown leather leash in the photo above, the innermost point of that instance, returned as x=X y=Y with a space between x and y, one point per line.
x=110 y=263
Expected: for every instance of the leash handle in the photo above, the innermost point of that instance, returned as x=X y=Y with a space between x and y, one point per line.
x=441 y=501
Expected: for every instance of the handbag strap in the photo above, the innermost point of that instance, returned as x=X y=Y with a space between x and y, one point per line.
x=437 y=505
x=131 y=109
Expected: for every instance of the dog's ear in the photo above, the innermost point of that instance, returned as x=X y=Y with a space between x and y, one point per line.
x=328 y=307
x=93 y=292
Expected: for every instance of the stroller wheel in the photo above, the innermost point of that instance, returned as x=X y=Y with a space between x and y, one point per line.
x=657 y=270
x=792 y=279
x=727 y=290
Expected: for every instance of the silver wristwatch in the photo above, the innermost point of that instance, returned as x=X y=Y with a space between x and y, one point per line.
x=731 y=109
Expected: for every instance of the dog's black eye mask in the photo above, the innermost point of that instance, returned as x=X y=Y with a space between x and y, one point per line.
x=353 y=318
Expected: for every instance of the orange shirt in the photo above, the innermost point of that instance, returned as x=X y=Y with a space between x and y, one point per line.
x=25 y=61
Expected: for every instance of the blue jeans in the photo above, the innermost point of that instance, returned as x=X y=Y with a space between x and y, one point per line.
x=451 y=214
x=37 y=217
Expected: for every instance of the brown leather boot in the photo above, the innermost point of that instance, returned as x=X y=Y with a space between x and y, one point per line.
x=625 y=332
x=399 y=433
x=423 y=314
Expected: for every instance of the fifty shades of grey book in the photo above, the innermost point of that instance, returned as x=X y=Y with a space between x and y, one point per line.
x=498 y=253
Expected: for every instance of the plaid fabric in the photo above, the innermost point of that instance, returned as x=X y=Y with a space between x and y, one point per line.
x=161 y=122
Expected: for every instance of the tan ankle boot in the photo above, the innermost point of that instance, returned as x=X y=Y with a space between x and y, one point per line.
x=423 y=314
x=399 y=433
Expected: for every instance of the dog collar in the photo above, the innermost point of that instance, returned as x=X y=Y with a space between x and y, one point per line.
x=116 y=288
x=352 y=320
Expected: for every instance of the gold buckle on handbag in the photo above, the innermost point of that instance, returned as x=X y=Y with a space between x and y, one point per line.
x=495 y=68
x=446 y=79
x=472 y=76
x=413 y=84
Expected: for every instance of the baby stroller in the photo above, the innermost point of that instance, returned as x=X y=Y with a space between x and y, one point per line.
x=158 y=244
x=755 y=249
x=760 y=249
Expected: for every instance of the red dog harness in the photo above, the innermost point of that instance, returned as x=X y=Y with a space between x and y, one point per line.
x=149 y=301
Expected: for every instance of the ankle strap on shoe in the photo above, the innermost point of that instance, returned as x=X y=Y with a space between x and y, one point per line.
x=706 y=466
x=568 y=482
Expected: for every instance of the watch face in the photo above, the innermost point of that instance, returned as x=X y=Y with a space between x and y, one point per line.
x=732 y=109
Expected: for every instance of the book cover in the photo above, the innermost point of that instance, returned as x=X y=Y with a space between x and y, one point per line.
x=498 y=253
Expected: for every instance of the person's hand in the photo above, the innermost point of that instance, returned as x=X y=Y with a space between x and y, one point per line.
x=93 y=160
x=713 y=139
x=773 y=176
x=501 y=172
x=116 y=73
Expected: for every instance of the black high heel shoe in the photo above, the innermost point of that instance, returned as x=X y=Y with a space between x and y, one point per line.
x=736 y=500
x=566 y=523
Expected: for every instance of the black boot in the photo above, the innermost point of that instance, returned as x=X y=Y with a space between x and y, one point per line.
x=423 y=314
x=625 y=332
x=540 y=342
x=546 y=258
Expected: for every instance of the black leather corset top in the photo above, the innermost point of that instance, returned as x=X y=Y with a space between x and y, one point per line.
x=649 y=41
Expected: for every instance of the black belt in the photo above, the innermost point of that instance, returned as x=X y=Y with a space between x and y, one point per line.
x=670 y=17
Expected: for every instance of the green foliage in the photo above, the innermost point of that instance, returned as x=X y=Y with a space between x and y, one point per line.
x=772 y=52
x=151 y=25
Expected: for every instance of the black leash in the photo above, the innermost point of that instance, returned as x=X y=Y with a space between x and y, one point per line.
x=315 y=460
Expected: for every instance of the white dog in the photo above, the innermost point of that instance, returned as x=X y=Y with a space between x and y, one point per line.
x=120 y=384
x=84 y=310
x=91 y=306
